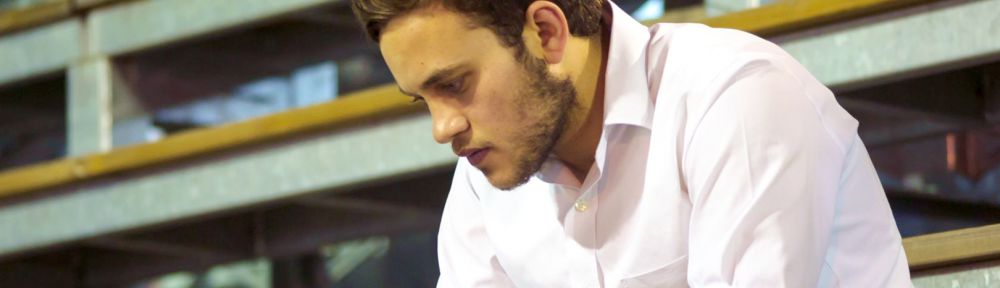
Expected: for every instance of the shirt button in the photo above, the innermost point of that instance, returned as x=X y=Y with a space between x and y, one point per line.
x=580 y=206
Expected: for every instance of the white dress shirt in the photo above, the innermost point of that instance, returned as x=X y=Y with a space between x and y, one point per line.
x=722 y=163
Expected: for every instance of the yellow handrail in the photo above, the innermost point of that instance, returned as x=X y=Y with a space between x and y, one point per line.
x=953 y=247
x=789 y=16
x=380 y=102
x=21 y=18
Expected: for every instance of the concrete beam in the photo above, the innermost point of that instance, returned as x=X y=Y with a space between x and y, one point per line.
x=720 y=7
x=919 y=41
x=373 y=152
x=137 y=25
x=987 y=275
x=41 y=50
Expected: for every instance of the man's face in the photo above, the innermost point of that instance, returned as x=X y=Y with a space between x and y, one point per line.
x=503 y=114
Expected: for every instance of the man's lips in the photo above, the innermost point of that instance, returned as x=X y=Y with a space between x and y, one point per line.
x=475 y=156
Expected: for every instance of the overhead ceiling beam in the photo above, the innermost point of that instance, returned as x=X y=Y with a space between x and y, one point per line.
x=155 y=247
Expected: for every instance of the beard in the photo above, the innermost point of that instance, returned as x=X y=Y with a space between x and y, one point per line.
x=549 y=101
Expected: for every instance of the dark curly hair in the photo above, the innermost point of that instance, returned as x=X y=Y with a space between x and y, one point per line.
x=504 y=17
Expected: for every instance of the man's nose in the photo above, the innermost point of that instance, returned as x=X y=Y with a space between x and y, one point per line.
x=448 y=123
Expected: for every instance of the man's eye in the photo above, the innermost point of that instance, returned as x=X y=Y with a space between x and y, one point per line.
x=453 y=86
x=417 y=99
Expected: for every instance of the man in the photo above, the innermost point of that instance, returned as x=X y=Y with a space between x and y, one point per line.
x=598 y=152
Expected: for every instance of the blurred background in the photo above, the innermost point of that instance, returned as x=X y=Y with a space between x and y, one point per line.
x=261 y=143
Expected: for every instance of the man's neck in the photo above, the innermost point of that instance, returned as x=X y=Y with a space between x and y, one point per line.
x=578 y=144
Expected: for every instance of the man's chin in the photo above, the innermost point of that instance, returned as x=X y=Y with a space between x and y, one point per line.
x=504 y=181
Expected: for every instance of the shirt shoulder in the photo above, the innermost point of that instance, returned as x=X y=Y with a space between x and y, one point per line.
x=690 y=65
x=696 y=54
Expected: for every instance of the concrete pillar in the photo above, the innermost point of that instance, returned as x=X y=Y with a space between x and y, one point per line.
x=89 y=111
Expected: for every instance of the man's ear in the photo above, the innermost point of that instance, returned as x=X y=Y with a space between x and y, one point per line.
x=546 y=31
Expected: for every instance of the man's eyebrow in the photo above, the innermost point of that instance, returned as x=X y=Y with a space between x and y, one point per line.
x=438 y=76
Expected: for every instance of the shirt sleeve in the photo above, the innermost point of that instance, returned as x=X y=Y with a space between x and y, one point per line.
x=762 y=170
x=465 y=253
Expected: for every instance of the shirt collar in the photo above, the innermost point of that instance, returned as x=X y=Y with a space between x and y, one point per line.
x=626 y=89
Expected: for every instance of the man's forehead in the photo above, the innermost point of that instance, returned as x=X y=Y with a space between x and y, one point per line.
x=420 y=43
x=433 y=17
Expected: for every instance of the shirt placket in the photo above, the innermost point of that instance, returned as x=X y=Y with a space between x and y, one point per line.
x=583 y=230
